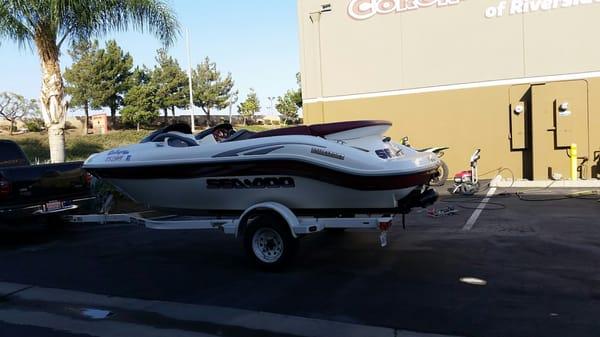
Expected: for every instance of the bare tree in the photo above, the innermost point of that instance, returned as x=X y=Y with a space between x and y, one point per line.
x=14 y=107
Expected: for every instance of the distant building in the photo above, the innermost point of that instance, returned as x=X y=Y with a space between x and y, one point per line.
x=100 y=124
x=518 y=78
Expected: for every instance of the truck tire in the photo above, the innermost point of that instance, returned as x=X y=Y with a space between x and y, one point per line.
x=269 y=243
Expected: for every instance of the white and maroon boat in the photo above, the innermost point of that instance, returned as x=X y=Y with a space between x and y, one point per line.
x=336 y=168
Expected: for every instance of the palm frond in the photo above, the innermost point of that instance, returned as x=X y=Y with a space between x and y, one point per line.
x=86 y=18
x=13 y=24
x=62 y=20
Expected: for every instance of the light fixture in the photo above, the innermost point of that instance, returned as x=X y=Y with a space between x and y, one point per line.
x=316 y=16
x=519 y=109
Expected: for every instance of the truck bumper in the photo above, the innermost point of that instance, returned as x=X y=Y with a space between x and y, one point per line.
x=16 y=215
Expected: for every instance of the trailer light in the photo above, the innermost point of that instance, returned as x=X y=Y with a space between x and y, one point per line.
x=385 y=225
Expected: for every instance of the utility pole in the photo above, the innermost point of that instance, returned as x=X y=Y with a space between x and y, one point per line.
x=187 y=38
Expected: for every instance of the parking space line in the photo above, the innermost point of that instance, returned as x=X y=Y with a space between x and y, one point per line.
x=225 y=316
x=471 y=222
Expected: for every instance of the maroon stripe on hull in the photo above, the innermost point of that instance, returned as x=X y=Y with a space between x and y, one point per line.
x=268 y=168
x=319 y=130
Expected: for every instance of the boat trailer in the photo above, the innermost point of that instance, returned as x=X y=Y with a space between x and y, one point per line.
x=270 y=230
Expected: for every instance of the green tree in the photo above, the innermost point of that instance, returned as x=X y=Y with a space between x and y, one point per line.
x=113 y=72
x=287 y=106
x=141 y=106
x=172 y=83
x=14 y=107
x=82 y=75
x=250 y=106
x=47 y=24
x=210 y=89
x=297 y=94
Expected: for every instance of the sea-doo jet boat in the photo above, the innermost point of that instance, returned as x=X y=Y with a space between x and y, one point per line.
x=346 y=167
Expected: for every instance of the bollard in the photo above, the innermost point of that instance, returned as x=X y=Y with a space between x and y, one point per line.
x=573 y=157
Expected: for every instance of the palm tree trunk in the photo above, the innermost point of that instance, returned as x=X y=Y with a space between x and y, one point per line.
x=52 y=95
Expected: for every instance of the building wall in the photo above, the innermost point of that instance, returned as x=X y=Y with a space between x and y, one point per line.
x=449 y=75
x=473 y=118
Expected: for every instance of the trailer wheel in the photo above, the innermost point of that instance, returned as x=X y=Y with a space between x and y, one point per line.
x=269 y=243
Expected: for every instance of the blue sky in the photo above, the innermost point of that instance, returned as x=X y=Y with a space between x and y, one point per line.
x=257 y=41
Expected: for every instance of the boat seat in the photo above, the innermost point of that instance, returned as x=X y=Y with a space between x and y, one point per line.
x=176 y=139
x=319 y=130
x=239 y=135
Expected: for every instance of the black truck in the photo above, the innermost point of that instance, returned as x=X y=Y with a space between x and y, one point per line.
x=39 y=191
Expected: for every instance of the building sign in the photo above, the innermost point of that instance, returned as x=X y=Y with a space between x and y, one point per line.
x=364 y=9
x=512 y=7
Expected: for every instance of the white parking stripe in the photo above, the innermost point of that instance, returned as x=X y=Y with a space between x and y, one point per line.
x=471 y=222
x=255 y=320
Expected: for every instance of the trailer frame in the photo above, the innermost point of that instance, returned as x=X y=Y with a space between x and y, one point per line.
x=281 y=224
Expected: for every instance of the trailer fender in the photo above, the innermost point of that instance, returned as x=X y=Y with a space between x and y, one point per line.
x=286 y=214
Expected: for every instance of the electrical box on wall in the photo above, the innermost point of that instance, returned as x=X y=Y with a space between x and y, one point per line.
x=518 y=114
x=564 y=122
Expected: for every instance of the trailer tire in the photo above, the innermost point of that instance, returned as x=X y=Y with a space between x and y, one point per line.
x=269 y=243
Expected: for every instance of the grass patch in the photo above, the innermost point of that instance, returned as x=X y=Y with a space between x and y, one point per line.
x=79 y=147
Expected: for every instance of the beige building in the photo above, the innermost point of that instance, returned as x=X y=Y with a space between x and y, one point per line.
x=518 y=78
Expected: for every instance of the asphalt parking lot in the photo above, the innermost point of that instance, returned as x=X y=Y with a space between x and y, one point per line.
x=539 y=262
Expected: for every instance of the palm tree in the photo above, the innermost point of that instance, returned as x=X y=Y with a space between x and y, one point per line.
x=48 y=24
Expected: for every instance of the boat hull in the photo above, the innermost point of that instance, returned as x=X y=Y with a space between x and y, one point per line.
x=238 y=193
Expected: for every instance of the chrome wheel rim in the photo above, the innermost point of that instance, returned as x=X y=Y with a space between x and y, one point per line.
x=267 y=245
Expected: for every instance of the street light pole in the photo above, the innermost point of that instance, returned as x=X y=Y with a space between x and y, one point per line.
x=271 y=98
x=187 y=38
x=233 y=100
